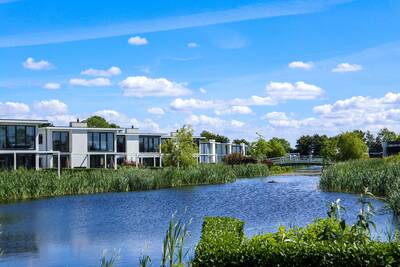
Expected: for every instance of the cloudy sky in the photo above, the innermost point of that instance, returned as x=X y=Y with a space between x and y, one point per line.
x=280 y=68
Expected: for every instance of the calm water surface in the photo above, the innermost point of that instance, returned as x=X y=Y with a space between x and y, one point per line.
x=74 y=231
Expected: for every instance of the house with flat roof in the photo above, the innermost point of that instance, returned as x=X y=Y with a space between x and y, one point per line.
x=19 y=143
x=35 y=144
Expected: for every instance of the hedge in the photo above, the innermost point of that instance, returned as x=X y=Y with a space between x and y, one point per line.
x=322 y=243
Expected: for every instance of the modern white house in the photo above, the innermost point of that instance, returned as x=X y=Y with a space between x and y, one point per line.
x=32 y=144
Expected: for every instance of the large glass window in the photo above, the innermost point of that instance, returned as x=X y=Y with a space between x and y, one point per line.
x=101 y=141
x=2 y=137
x=18 y=137
x=149 y=143
x=205 y=148
x=121 y=143
x=61 y=141
x=236 y=149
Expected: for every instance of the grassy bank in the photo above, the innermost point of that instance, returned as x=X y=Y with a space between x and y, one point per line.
x=381 y=176
x=29 y=184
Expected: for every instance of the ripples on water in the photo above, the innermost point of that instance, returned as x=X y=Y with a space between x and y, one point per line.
x=74 y=231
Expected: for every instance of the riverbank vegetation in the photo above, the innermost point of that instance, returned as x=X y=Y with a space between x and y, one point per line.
x=30 y=184
x=380 y=176
x=326 y=242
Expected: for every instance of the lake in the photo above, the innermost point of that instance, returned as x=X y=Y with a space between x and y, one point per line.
x=75 y=230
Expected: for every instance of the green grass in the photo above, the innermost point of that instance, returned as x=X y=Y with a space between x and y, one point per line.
x=381 y=176
x=28 y=184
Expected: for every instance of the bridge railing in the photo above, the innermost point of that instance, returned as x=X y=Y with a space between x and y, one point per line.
x=297 y=160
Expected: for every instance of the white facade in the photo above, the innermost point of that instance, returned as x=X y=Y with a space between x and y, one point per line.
x=79 y=146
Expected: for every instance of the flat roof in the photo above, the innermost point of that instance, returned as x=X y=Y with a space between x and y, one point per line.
x=81 y=128
x=149 y=134
x=23 y=121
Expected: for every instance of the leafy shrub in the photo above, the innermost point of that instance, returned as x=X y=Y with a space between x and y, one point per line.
x=221 y=242
x=238 y=158
x=323 y=243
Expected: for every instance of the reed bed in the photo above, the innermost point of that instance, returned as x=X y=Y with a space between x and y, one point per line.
x=380 y=176
x=28 y=184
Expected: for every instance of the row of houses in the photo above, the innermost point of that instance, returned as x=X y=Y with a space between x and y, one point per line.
x=29 y=144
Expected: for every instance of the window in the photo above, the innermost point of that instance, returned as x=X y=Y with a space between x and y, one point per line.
x=19 y=137
x=236 y=149
x=121 y=143
x=2 y=137
x=40 y=139
x=61 y=141
x=149 y=143
x=101 y=141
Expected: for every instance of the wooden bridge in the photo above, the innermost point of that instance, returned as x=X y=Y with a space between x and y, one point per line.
x=291 y=160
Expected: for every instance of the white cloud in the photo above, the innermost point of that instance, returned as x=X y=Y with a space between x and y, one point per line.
x=125 y=121
x=297 y=91
x=238 y=124
x=357 y=112
x=192 y=45
x=12 y=109
x=203 y=91
x=347 y=67
x=112 y=71
x=51 y=107
x=31 y=64
x=137 y=40
x=52 y=86
x=204 y=120
x=275 y=115
x=60 y=119
x=301 y=65
x=141 y=86
x=254 y=101
x=97 y=82
x=192 y=103
x=156 y=111
x=244 y=110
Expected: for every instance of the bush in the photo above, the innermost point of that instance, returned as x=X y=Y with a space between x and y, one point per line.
x=238 y=158
x=323 y=243
x=221 y=241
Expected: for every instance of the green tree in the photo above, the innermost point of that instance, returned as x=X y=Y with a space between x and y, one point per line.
x=304 y=145
x=180 y=149
x=285 y=143
x=329 y=149
x=385 y=135
x=373 y=143
x=351 y=146
x=212 y=136
x=307 y=145
x=240 y=141
x=260 y=149
x=99 y=122
x=276 y=149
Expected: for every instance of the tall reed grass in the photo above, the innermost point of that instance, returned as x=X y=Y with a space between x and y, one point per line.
x=29 y=184
x=380 y=176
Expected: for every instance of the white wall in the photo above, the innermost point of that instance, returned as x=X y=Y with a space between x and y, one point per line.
x=132 y=146
x=79 y=145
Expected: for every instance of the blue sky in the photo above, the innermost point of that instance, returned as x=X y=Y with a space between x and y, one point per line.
x=280 y=68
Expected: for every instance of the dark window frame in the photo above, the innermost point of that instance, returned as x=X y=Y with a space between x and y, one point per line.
x=60 y=147
x=11 y=140
x=97 y=145
x=149 y=143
